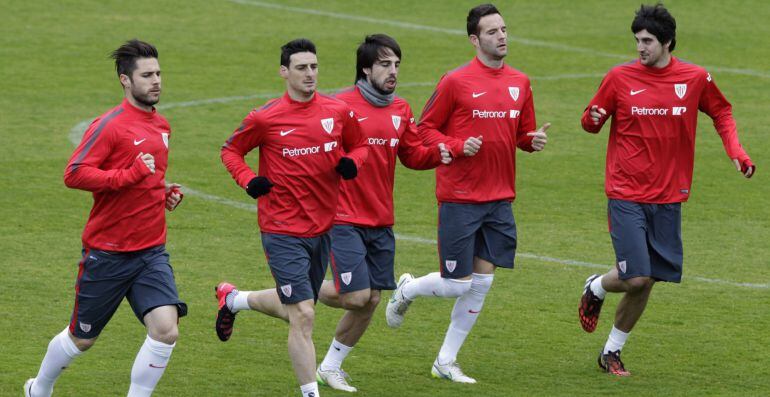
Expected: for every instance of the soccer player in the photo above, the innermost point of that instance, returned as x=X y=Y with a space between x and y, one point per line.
x=654 y=103
x=122 y=160
x=301 y=137
x=482 y=101
x=362 y=240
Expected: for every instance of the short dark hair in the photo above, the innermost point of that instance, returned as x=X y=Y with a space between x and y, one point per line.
x=656 y=20
x=374 y=47
x=126 y=55
x=293 y=47
x=475 y=15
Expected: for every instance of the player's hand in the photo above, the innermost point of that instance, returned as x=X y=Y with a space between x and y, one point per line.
x=746 y=168
x=258 y=186
x=597 y=114
x=446 y=157
x=174 y=196
x=539 y=137
x=472 y=146
x=347 y=168
x=148 y=161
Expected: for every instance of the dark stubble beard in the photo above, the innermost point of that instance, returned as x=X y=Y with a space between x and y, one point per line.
x=379 y=87
x=144 y=99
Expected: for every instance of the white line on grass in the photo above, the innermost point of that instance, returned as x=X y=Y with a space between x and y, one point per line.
x=76 y=134
x=459 y=32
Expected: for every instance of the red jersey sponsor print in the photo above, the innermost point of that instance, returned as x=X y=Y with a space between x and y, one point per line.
x=299 y=143
x=389 y=131
x=129 y=201
x=652 y=134
x=478 y=100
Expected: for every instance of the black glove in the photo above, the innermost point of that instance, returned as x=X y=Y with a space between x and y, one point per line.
x=346 y=168
x=258 y=186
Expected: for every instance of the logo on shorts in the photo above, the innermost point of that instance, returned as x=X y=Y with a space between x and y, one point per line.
x=346 y=277
x=286 y=289
x=85 y=327
x=622 y=266
x=450 y=265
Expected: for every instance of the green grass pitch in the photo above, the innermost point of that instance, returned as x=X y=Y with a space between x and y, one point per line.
x=708 y=336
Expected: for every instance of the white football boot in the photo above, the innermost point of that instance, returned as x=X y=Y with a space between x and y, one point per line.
x=397 y=305
x=450 y=371
x=335 y=378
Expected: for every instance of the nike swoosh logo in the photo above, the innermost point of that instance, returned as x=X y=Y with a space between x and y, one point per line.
x=362 y=119
x=475 y=95
x=136 y=143
x=157 y=366
x=473 y=311
x=284 y=133
x=637 y=92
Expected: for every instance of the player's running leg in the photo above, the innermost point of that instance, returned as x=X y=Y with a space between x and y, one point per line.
x=62 y=350
x=155 y=353
x=231 y=301
x=301 y=348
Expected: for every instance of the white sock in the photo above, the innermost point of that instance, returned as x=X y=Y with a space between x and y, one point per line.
x=464 y=315
x=61 y=352
x=310 y=390
x=240 y=301
x=149 y=365
x=616 y=340
x=336 y=354
x=597 y=289
x=434 y=285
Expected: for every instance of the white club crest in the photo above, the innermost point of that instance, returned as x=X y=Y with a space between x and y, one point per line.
x=328 y=125
x=451 y=265
x=346 y=277
x=286 y=289
x=85 y=327
x=396 y=121
x=165 y=138
x=680 y=90
x=514 y=91
x=622 y=266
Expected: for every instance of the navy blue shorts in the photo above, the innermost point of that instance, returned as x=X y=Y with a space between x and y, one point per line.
x=486 y=230
x=144 y=278
x=647 y=239
x=362 y=258
x=298 y=265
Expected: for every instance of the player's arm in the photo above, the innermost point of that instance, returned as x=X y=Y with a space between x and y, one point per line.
x=713 y=103
x=528 y=138
x=434 y=117
x=174 y=195
x=413 y=154
x=249 y=135
x=601 y=107
x=84 y=167
x=354 y=146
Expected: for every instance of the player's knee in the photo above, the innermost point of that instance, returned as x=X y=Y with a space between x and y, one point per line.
x=83 y=344
x=374 y=300
x=638 y=285
x=303 y=317
x=357 y=300
x=455 y=288
x=167 y=335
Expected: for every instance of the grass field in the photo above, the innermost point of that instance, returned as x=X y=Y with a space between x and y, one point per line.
x=708 y=336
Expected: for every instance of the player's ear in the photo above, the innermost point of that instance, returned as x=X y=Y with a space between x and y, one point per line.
x=283 y=71
x=125 y=81
x=474 y=40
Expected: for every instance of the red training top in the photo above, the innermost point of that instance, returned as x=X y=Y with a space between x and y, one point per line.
x=129 y=201
x=475 y=100
x=367 y=200
x=300 y=144
x=652 y=136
